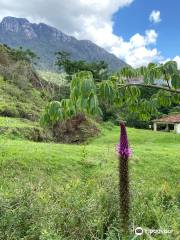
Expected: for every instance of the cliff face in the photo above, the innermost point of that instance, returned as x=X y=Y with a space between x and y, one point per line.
x=18 y=26
x=45 y=40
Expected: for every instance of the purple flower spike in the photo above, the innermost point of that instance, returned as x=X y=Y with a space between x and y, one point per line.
x=123 y=148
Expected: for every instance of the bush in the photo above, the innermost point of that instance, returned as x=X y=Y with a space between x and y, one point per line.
x=8 y=110
x=139 y=124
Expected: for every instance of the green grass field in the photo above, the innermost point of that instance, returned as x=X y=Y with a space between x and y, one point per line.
x=56 y=191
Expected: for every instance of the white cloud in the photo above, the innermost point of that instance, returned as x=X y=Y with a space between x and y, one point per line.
x=136 y=51
x=151 y=36
x=138 y=40
x=155 y=16
x=142 y=56
x=177 y=59
x=87 y=19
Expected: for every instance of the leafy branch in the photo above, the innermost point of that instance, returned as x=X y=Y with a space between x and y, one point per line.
x=150 y=86
x=86 y=94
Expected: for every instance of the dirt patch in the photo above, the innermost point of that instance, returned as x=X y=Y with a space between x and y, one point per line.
x=77 y=130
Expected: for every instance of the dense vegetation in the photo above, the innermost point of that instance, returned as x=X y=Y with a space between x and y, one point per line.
x=99 y=69
x=87 y=96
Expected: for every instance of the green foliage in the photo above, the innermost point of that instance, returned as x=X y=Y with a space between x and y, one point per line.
x=169 y=68
x=128 y=73
x=146 y=109
x=23 y=55
x=151 y=73
x=176 y=81
x=107 y=91
x=150 y=104
x=167 y=72
x=175 y=109
x=165 y=99
x=83 y=93
x=126 y=99
x=89 y=97
x=83 y=99
x=23 y=92
x=99 y=69
x=16 y=102
x=86 y=95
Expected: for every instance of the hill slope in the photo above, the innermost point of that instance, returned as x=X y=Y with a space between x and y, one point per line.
x=23 y=92
x=45 y=40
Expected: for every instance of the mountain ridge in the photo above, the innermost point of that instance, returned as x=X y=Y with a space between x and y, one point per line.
x=45 y=40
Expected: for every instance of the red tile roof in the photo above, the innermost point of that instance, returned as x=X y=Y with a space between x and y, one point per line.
x=169 y=119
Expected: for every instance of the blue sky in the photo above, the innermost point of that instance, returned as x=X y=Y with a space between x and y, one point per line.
x=135 y=18
x=122 y=27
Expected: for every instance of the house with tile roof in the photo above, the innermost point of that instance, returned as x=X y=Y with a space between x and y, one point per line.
x=168 y=120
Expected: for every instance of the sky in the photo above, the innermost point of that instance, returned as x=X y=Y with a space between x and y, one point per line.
x=137 y=31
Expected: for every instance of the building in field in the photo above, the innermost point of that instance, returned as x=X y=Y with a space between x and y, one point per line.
x=168 y=122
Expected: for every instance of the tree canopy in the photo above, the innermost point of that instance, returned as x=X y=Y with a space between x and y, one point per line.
x=20 y=54
x=99 y=69
x=118 y=90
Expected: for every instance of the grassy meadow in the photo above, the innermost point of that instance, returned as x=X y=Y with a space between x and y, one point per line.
x=54 y=191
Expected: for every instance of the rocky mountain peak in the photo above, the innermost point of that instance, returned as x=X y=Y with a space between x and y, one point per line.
x=18 y=25
x=52 y=32
x=45 y=40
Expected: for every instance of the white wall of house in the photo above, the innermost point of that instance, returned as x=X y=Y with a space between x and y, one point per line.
x=177 y=128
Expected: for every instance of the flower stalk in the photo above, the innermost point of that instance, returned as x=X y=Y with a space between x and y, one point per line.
x=124 y=152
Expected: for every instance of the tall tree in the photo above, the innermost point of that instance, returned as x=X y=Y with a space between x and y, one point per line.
x=99 y=69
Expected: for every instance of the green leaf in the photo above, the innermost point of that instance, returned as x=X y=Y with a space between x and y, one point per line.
x=175 y=81
x=170 y=67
